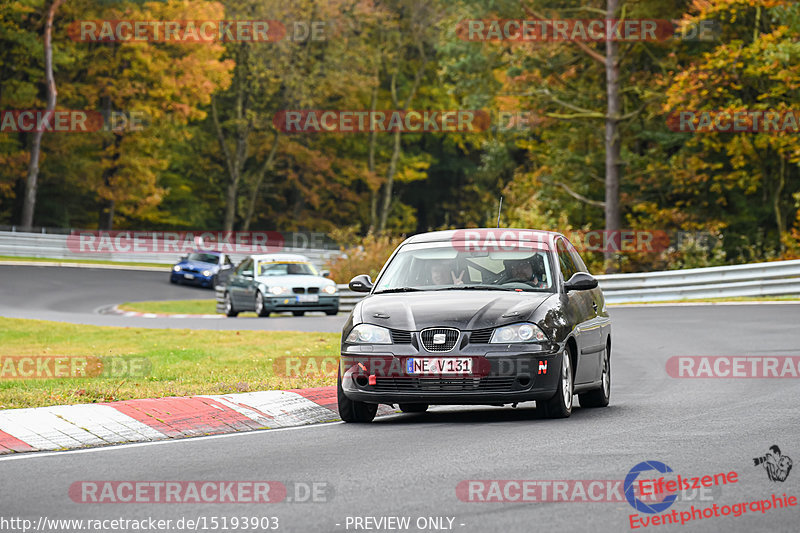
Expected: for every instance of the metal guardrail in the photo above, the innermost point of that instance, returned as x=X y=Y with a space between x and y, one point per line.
x=777 y=278
x=759 y=279
x=54 y=246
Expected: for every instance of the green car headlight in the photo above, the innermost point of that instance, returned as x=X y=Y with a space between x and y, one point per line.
x=329 y=289
x=278 y=290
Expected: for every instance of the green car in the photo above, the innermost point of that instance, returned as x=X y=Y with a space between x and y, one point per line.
x=277 y=283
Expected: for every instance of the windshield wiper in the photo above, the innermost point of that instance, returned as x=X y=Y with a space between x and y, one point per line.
x=397 y=289
x=475 y=287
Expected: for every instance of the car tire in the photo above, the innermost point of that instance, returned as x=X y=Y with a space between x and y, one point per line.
x=332 y=312
x=229 y=310
x=352 y=410
x=560 y=405
x=173 y=280
x=599 y=397
x=413 y=407
x=214 y=281
x=260 y=309
x=298 y=313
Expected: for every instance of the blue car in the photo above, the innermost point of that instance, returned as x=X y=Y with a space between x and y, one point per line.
x=205 y=269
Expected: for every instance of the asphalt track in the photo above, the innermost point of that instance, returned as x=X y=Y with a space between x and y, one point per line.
x=80 y=295
x=410 y=465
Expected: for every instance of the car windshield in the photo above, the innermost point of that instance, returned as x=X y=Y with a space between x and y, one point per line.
x=442 y=266
x=284 y=268
x=203 y=258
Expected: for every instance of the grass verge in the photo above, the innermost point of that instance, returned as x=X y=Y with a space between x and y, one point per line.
x=181 y=362
x=178 y=307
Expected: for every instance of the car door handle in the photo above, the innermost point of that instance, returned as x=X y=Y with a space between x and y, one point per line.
x=594 y=306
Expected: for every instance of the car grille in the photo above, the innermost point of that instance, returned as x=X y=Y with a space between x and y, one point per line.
x=299 y=290
x=401 y=337
x=313 y=290
x=481 y=336
x=451 y=336
x=484 y=384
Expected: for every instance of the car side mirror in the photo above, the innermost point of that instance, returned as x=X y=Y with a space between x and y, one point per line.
x=325 y=273
x=361 y=283
x=580 y=281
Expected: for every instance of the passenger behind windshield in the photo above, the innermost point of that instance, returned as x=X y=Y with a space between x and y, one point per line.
x=442 y=275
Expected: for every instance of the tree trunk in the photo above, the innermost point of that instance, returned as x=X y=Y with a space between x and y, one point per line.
x=612 y=138
x=235 y=162
x=387 y=187
x=373 y=193
x=392 y=170
x=776 y=203
x=266 y=167
x=29 y=202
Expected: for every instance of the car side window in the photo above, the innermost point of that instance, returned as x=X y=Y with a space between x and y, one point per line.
x=247 y=264
x=576 y=258
x=567 y=265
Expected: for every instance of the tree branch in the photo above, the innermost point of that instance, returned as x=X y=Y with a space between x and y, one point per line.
x=578 y=196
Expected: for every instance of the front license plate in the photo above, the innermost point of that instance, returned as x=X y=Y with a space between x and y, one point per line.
x=439 y=365
x=188 y=276
x=307 y=298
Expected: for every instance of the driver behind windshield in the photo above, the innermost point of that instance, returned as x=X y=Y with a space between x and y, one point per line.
x=522 y=271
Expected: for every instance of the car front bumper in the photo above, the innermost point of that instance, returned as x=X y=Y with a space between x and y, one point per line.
x=496 y=379
x=290 y=303
x=196 y=279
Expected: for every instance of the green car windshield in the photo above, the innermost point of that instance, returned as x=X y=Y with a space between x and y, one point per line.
x=286 y=268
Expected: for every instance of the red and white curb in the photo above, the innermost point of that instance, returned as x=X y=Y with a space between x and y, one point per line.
x=117 y=311
x=77 y=426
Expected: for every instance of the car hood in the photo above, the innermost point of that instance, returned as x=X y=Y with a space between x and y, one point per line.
x=301 y=280
x=465 y=310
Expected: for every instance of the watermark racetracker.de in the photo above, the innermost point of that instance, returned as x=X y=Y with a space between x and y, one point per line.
x=181 y=242
x=72 y=366
x=733 y=366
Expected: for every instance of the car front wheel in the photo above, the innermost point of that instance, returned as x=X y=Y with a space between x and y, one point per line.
x=260 y=309
x=229 y=310
x=352 y=410
x=560 y=405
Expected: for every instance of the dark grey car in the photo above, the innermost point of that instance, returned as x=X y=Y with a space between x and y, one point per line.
x=487 y=316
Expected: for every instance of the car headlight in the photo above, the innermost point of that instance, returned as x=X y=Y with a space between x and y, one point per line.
x=278 y=290
x=329 y=289
x=176 y=268
x=206 y=273
x=524 y=332
x=369 y=334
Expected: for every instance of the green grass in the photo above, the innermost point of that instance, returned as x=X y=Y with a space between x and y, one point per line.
x=178 y=307
x=721 y=300
x=81 y=261
x=181 y=362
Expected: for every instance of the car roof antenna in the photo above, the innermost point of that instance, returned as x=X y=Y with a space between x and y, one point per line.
x=499 y=209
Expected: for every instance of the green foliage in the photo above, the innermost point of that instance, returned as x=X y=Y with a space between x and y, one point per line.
x=742 y=187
